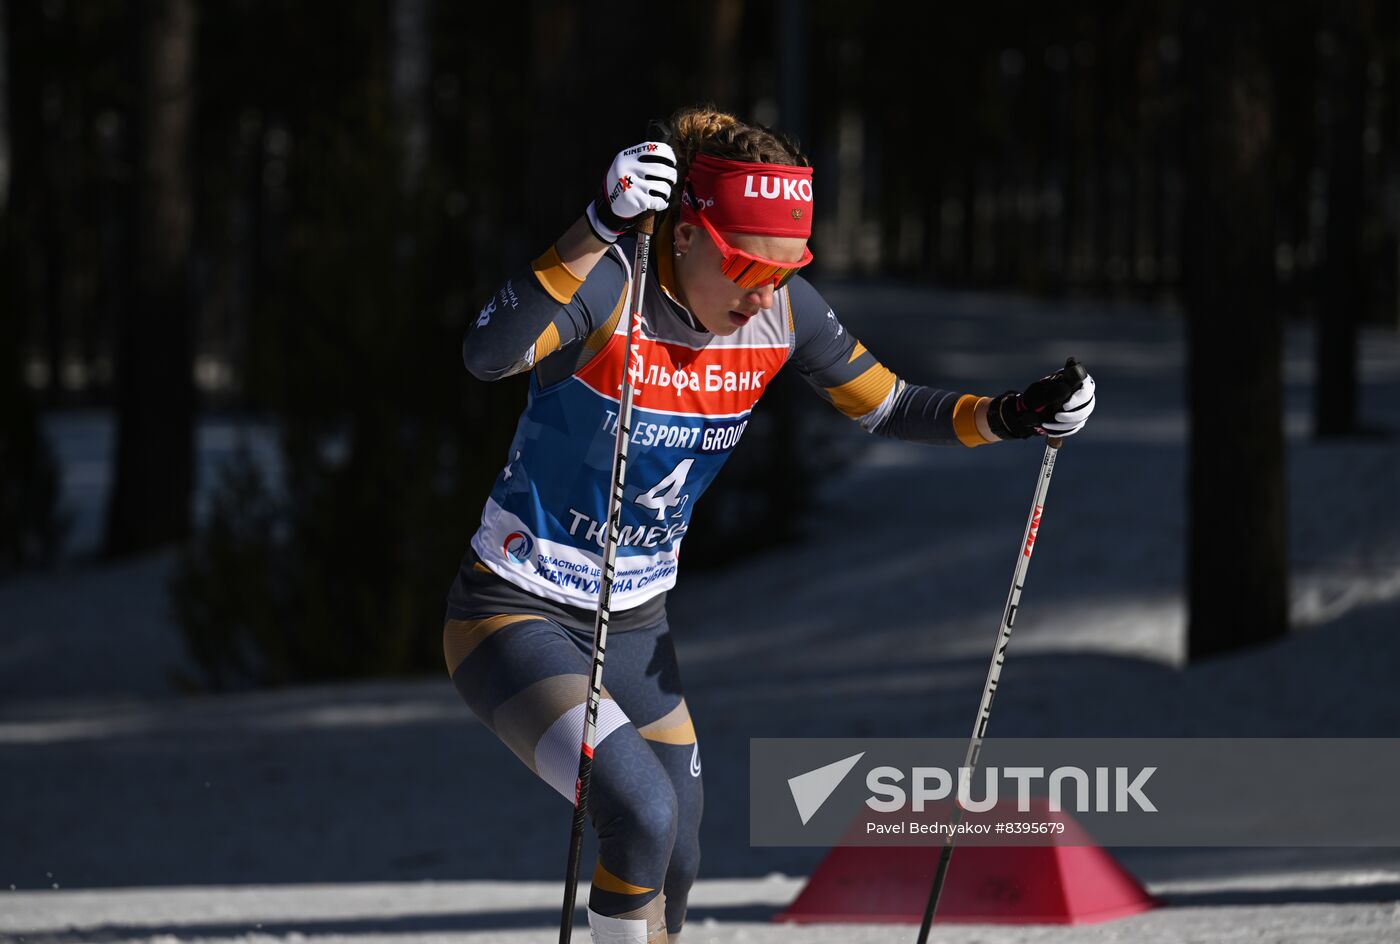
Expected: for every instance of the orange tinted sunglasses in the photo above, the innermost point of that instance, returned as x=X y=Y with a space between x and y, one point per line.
x=748 y=271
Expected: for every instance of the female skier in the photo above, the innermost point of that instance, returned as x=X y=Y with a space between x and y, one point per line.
x=724 y=308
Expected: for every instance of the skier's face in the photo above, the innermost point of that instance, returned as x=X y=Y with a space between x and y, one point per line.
x=719 y=304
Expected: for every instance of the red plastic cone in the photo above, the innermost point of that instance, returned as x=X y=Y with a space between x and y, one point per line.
x=1079 y=884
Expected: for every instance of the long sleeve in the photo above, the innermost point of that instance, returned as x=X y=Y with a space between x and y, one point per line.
x=844 y=372
x=539 y=312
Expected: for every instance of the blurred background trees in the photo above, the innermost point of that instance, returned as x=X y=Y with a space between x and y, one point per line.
x=291 y=212
x=154 y=389
x=1237 y=551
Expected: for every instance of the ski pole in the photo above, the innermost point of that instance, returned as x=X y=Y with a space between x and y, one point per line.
x=989 y=690
x=600 y=624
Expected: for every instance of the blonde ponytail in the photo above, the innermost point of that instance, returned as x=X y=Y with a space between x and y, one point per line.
x=707 y=130
x=690 y=128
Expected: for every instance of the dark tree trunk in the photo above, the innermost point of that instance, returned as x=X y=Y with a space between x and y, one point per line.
x=721 y=65
x=20 y=261
x=1237 y=555
x=4 y=110
x=554 y=59
x=792 y=68
x=410 y=65
x=1343 y=294
x=150 y=501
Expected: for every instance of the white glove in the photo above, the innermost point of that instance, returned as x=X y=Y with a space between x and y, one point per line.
x=1057 y=404
x=638 y=182
x=1071 y=415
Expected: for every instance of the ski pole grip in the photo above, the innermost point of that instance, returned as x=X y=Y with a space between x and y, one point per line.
x=647 y=226
x=1075 y=374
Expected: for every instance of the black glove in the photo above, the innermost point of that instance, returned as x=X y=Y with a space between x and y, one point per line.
x=1055 y=405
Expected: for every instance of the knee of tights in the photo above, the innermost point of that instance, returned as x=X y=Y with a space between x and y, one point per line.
x=685 y=861
x=646 y=818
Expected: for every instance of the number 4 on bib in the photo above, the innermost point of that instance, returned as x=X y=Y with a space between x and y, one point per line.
x=666 y=494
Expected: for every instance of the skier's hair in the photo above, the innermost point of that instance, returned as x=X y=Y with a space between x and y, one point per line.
x=705 y=129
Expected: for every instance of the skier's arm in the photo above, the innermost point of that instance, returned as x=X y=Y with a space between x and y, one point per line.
x=848 y=376
x=564 y=295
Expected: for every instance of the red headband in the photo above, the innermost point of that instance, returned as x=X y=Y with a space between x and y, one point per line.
x=749 y=197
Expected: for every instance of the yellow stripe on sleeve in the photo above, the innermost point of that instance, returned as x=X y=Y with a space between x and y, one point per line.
x=555 y=277
x=856 y=351
x=599 y=337
x=604 y=331
x=547 y=343
x=858 y=397
x=965 y=420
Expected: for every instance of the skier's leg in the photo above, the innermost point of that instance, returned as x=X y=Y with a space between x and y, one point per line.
x=647 y=685
x=525 y=677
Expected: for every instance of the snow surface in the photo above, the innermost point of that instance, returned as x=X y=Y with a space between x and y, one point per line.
x=383 y=812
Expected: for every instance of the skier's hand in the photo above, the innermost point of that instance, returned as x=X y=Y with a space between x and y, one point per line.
x=638 y=182
x=1055 y=405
